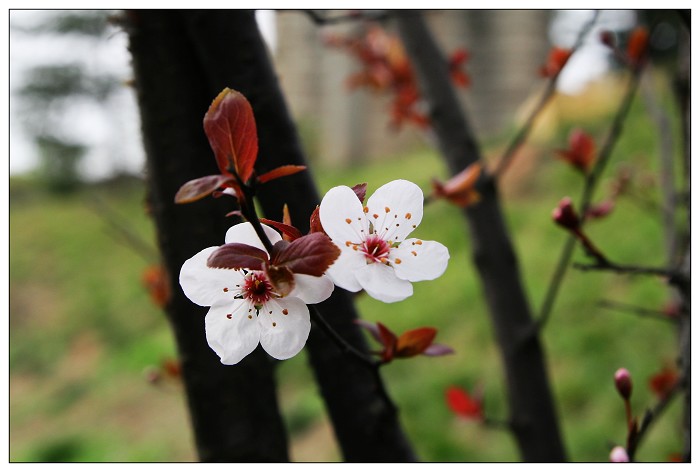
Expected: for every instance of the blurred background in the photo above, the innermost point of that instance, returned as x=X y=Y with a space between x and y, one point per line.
x=93 y=369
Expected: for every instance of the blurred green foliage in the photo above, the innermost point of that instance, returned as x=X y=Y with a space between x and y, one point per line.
x=83 y=329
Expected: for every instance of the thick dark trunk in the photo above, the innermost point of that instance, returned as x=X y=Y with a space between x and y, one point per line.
x=233 y=409
x=532 y=413
x=229 y=52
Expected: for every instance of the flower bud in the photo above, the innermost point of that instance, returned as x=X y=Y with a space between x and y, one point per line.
x=565 y=215
x=619 y=454
x=607 y=37
x=623 y=383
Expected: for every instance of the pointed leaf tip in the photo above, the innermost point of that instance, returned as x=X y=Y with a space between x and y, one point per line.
x=230 y=127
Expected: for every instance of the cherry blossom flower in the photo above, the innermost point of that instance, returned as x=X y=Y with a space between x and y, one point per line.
x=245 y=308
x=375 y=252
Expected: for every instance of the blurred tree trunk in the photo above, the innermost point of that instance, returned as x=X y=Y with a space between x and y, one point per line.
x=183 y=60
x=533 y=417
x=233 y=409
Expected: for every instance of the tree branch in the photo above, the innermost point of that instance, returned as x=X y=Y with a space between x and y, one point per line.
x=533 y=418
x=520 y=137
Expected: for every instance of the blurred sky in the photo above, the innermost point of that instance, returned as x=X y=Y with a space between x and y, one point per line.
x=112 y=131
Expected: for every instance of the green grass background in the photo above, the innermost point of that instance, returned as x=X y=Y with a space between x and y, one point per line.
x=83 y=331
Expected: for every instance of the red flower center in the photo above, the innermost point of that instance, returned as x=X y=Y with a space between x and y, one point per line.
x=257 y=288
x=376 y=249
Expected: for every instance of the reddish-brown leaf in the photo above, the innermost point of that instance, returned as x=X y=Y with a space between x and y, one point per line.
x=315 y=225
x=155 y=279
x=581 y=152
x=199 y=188
x=662 y=383
x=637 y=46
x=556 y=60
x=459 y=190
x=281 y=278
x=237 y=256
x=311 y=254
x=230 y=127
x=388 y=340
x=289 y=232
x=414 y=342
x=281 y=171
x=463 y=404
x=361 y=191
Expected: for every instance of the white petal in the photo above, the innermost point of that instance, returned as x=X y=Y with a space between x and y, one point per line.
x=310 y=289
x=244 y=233
x=342 y=216
x=232 y=331
x=424 y=261
x=398 y=207
x=284 y=335
x=342 y=271
x=380 y=282
x=205 y=285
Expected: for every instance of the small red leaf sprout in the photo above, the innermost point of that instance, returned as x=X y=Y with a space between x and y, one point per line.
x=410 y=344
x=155 y=279
x=565 y=216
x=460 y=189
x=387 y=70
x=465 y=405
x=581 y=151
x=638 y=47
x=636 y=53
x=663 y=382
x=556 y=60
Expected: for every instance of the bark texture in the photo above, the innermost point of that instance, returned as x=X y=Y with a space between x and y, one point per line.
x=533 y=416
x=233 y=409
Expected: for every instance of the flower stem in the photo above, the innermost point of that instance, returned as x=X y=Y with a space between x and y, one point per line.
x=345 y=346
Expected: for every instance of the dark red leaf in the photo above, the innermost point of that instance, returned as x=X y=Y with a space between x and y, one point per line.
x=237 y=256
x=581 y=152
x=388 y=340
x=311 y=254
x=230 y=126
x=199 y=188
x=291 y=232
x=361 y=191
x=414 y=342
x=372 y=328
x=278 y=172
x=282 y=279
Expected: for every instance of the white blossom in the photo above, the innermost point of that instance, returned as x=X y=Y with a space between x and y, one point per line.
x=375 y=253
x=245 y=309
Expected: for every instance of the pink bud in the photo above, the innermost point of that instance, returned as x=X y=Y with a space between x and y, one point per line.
x=619 y=454
x=623 y=383
x=565 y=215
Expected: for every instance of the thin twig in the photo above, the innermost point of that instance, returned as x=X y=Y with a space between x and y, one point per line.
x=605 y=265
x=590 y=185
x=117 y=223
x=521 y=136
x=340 y=341
x=651 y=416
x=639 y=311
x=355 y=15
